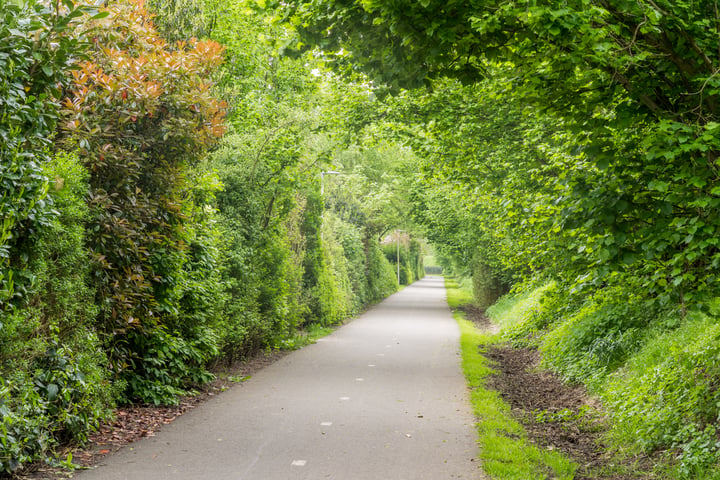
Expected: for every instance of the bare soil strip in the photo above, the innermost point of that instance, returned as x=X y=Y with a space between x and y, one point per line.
x=555 y=415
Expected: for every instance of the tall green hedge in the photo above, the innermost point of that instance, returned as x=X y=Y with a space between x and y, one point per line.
x=54 y=384
x=35 y=54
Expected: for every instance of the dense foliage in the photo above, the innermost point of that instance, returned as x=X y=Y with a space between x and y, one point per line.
x=177 y=192
x=141 y=113
x=151 y=229
x=572 y=146
x=52 y=385
x=36 y=53
x=633 y=84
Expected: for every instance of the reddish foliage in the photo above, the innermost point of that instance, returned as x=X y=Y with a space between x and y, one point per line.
x=142 y=113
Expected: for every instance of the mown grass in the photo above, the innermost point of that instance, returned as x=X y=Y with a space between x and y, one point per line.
x=506 y=452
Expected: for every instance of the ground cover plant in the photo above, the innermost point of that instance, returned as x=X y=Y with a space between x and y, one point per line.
x=649 y=375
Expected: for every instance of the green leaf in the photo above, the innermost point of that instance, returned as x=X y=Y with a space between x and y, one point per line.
x=52 y=391
x=628 y=258
x=100 y=15
x=659 y=186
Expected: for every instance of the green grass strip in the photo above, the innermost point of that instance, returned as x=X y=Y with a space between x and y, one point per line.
x=506 y=452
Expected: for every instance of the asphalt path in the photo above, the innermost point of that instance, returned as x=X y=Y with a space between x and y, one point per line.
x=381 y=398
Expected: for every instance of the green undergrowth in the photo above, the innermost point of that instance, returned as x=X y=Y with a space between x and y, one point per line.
x=459 y=292
x=656 y=373
x=506 y=452
x=306 y=337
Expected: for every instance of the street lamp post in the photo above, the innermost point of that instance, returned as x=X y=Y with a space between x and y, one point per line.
x=397 y=238
x=322 y=192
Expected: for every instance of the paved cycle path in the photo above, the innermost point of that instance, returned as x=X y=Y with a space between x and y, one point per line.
x=382 y=398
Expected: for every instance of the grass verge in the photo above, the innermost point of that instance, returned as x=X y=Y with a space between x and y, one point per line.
x=505 y=450
x=307 y=337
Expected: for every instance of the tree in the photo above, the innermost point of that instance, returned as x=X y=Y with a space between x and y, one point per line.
x=635 y=84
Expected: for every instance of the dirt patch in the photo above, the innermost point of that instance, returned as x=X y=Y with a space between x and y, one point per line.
x=136 y=422
x=555 y=415
x=551 y=412
x=478 y=318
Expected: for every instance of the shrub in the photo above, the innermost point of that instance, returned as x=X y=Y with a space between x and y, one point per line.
x=169 y=365
x=53 y=370
x=334 y=290
x=264 y=247
x=382 y=280
x=350 y=238
x=35 y=55
x=142 y=114
x=62 y=396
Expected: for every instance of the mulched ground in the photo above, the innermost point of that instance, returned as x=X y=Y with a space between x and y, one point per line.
x=556 y=416
x=136 y=422
x=478 y=317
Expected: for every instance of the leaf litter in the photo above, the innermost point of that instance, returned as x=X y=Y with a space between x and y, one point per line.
x=133 y=423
